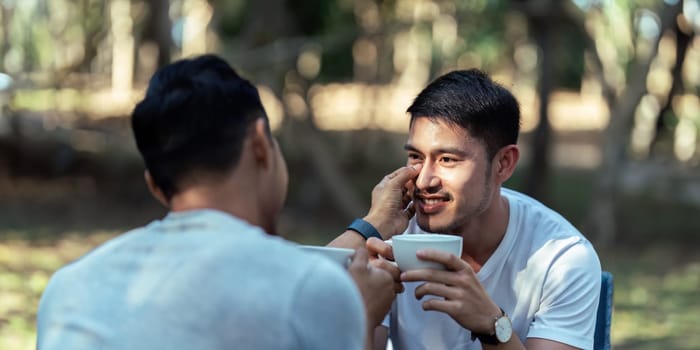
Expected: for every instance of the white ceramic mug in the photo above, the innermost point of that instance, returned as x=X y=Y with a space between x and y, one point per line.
x=405 y=247
x=339 y=255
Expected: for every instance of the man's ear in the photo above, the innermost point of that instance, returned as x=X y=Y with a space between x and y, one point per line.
x=505 y=161
x=155 y=190
x=261 y=145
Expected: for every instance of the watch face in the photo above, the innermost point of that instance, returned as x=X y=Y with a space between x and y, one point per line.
x=503 y=329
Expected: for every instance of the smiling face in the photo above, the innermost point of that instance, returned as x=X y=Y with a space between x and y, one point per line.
x=455 y=183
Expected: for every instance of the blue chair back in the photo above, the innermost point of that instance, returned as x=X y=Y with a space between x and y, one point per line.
x=604 y=318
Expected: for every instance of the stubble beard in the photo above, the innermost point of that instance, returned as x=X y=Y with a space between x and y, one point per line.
x=458 y=226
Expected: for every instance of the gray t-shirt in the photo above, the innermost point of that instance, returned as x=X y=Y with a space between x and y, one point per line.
x=200 y=280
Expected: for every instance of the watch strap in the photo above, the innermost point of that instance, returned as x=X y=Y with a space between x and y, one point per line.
x=489 y=338
x=486 y=339
x=364 y=228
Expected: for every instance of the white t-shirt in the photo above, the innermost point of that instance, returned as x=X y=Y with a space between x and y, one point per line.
x=200 y=280
x=544 y=274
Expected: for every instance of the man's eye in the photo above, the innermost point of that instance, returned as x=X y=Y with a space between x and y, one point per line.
x=446 y=159
x=412 y=156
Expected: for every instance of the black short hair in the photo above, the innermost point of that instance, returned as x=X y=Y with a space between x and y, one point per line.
x=194 y=118
x=470 y=99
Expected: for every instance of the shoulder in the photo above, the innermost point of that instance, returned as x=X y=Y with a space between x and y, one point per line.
x=94 y=257
x=549 y=236
x=529 y=214
x=328 y=309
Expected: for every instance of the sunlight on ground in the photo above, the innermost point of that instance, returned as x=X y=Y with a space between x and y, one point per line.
x=25 y=269
x=656 y=304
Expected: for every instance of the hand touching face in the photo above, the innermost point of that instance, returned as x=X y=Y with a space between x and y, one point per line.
x=390 y=211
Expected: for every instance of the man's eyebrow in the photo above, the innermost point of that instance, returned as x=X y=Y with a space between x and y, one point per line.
x=408 y=147
x=449 y=150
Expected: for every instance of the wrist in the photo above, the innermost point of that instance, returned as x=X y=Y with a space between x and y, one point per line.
x=378 y=224
x=499 y=331
x=365 y=228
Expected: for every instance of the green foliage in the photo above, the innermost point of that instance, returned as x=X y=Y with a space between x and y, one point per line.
x=314 y=17
x=568 y=55
x=231 y=14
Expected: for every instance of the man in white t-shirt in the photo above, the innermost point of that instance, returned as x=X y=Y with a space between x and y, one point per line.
x=211 y=274
x=527 y=279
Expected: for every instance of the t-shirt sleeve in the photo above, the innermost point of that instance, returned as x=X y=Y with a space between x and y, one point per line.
x=570 y=296
x=329 y=310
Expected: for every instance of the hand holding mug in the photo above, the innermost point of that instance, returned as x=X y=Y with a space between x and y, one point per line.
x=381 y=256
x=375 y=284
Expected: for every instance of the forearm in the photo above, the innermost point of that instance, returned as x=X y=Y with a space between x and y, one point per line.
x=513 y=344
x=348 y=239
x=378 y=338
x=353 y=239
x=532 y=344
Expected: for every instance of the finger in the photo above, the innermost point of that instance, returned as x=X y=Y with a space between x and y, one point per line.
x=406 y=200
x=378 y=247
x=410 y=210
x=446 y=306
x=359 y=260
x=403 y=174
x=450 y=261
x=430 y=275
x=407 y=191
x=392 y=269
x=388 y=279
x=436 y=289
x=389 y=267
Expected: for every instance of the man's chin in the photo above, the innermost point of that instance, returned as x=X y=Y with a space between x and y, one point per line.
x=430 y=225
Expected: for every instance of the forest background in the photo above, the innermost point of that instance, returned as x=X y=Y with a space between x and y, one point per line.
x=608 y=91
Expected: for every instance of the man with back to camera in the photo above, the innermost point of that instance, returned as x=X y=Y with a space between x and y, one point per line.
x=211 y=275
x=527 y=278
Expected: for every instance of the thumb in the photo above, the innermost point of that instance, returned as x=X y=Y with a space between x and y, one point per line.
x=379 y=247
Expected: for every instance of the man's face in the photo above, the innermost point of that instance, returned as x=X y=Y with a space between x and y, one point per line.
x=454 y=184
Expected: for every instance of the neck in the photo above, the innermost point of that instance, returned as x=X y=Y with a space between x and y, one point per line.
x=483 y=234
x=219 y=197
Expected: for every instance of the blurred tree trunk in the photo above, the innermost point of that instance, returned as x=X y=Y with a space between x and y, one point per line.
x=269 y=36
x=93 y=13
x=122 y=48
x=601 y=222
x=5 y=22
x=157 y=30
x=684 y=37
x=540 y=17
x=198 y=14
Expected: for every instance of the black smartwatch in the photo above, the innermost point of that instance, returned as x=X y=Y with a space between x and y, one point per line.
x=364 y=228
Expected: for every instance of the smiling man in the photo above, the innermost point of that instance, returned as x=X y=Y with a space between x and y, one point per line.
x=527 y=278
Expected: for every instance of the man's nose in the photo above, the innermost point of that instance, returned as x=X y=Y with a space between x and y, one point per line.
x=427 y=178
